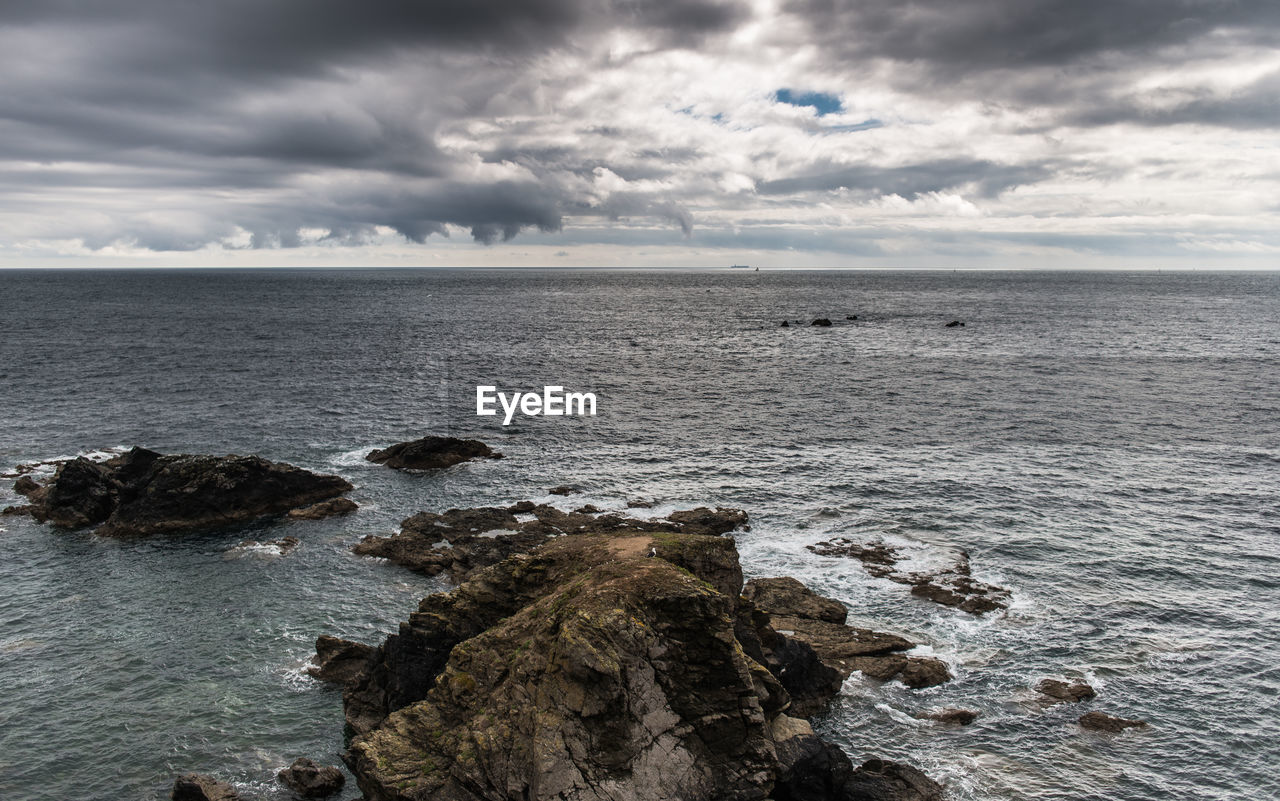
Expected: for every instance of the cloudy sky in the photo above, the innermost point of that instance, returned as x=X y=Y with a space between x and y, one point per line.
x=782 y=133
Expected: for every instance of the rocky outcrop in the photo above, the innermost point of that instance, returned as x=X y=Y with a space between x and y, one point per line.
x=954 y=324
x=951 y=716
x=952 y=586
x=563 y=489
x=822 y=322
x=198 y=787
x=319 y=511
x=1057 y=691
x=1098 y=721
x=143 y=492
x=431 y=453
x=603 y=665
x=798 y=613
x=461 y=541
x=340 y=661
x=310 y=779
x=881 y=780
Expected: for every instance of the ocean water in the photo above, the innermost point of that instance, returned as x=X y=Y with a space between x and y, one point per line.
x=1106 y=445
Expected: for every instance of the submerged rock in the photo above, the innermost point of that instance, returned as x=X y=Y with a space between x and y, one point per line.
x=951 y=586
x=563 y=489
x=280 y=547
x=1098 y=721
x=822 y=322
x=311 y=780
x=431 y=453
x=330 y=508
x=951 y=716
x=955 y=324
x=143 y=492
x=602 y=665
x=198 y=787
x=785 y=324
x=1060 y=691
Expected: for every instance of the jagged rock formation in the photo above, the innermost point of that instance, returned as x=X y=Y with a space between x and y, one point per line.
x=952 y=586
x=310 y=779
x=319 y=511
x=464 y=540
x=801 y=614
x=431 y=453
x=615 y=663
x=339 y=661
x=951 y=716
x=1058 y=691
x=143 y=492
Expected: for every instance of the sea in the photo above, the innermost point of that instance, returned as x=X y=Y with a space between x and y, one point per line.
x=1106 y=445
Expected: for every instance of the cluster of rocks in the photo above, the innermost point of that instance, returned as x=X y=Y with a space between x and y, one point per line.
x=1058 y=691
x=612 y=658
x=142 y=492
x=950 y=586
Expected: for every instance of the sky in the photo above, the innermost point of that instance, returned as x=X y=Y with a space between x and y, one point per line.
x=638 y=133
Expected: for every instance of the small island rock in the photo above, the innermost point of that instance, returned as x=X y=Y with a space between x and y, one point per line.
x=1099 y=721
x=431 y=453
x=198 y=787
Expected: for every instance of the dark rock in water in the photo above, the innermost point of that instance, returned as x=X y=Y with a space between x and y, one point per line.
x=588 y=509
x=24 y=509
x=796 y=612
x=330 y=508
x=431 y=453
x=586 y=669
x=785 y=324
x=822 y=322
x=563 y=489
x=198 y=787
x=955 y=324
x=280 y=547
x=26 y=486
x=1098 y=721
x=143 y=492
x=881 y=780
x=1061 y=691
x=951 y=716
x=852 y=317
x=340 y=661
x=462 y=540
x=952 y=586
x=311 y=780
x=639 y=503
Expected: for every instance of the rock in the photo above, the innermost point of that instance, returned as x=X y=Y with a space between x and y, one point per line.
x=463 y=540
x=142 y=492
x=588 y=509
x=198 y=787
x=431 y=453
x=851 y=317
x=822 y=322
x=340 y=661
x=798 y=613
x=330 y=508
x=881 y=780
x=639 y=504
x=24 y=509
x=563 y=489
x=951 y=586
x=280 y=547
x=1061 y=691
x=787 y=596
x=1098 y=721
x=955 y=324
x=785 y=324
x=310 y=780
x=26 y=486
x=951 y=716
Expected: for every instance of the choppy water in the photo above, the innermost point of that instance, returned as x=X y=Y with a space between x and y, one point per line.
x=1106 y=445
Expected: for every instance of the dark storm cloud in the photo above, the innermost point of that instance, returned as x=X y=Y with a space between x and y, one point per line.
x=967 y=35
x=248 y=94
x=987 y=178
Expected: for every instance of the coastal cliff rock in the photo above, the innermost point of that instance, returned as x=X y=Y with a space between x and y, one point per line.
x=461 y=541
x=431 y=453
x=142 y=492
x=951 y=586
x=798 y=613
x=339 y=661
x=602 y=665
